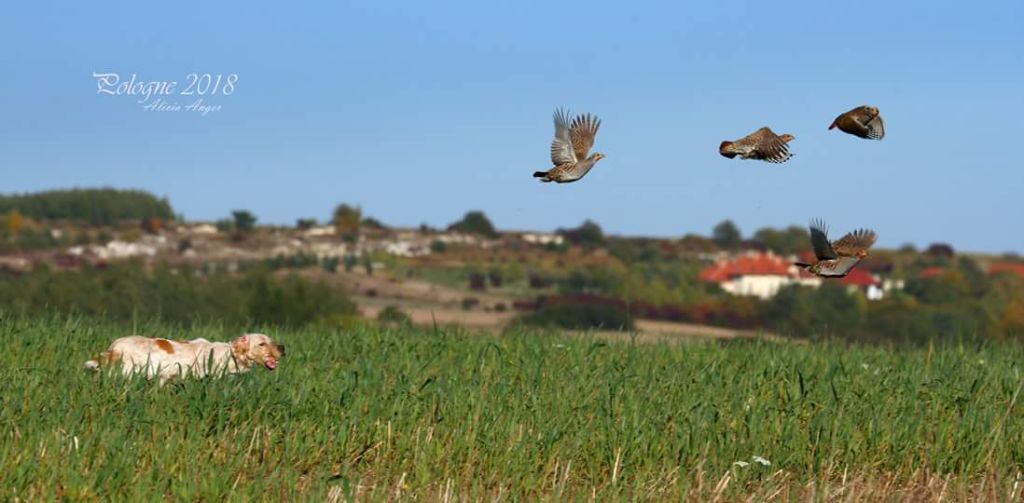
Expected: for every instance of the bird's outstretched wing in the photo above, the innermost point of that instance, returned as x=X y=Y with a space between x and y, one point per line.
x=819 y=240
x=853 y=122
x=841 y=266
x=583 y=130
x=875 y=127
x=561 y=146
x=770 y=145
x=854 y=242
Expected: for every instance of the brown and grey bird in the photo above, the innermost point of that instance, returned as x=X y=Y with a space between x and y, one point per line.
x=570 y=146
x=863 y=121
x=837 y=258
x=763 y=145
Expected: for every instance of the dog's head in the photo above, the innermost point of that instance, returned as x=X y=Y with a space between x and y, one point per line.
x=257 y=349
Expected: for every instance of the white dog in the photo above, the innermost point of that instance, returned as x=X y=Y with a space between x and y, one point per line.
x=195 y=358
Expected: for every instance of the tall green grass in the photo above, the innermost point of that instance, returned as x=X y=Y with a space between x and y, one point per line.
x=401 y=413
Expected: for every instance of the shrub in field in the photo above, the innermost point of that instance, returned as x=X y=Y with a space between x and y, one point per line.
x=127 y=291
x=468 y=303
x=329 y=264
x=393 y=315
x=475 y=222
x=477 y=281
x=580 y=313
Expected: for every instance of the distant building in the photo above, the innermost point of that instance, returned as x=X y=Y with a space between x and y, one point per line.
x=763 y=274
x=1009 y=267
x=543 y=238
x=864 y=281
x=753 y=273
x=204 y=229
x=406 y=249
x=323 y=230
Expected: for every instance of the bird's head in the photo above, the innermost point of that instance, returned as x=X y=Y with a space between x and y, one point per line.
x=862 y=253
x=726 y=149
x=872 y=111
x=787 y=137
x=596 y=156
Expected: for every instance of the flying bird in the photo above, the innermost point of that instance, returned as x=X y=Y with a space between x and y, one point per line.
x=763 y=145
x=570 y=146
x=863 y=121
x=837 y=258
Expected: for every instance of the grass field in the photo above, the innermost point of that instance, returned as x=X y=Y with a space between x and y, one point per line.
x=401 y=414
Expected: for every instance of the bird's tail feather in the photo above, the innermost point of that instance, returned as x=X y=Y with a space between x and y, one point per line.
x=803 y=265
x=540 y=174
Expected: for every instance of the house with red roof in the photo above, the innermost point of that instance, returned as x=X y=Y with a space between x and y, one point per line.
x=755 y=273
x=763 y=274
x=1008 y=267
x=864 y=281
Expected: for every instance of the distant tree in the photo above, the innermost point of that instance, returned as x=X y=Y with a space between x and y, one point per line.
x=225 y=225
x=791 y=240
x=908 y=248
x=587 y=234
x=329 y=264
x=726 y=235
x=950 y=287
x=373 y=223
x=350 y=262
x=474 y=222
x=424 y=228
x=497 y=276
x=152 y=225
x=438 y=246
x=305 y=223
x=940 y=250
x=696 y=242
x=346 y=221
x=95 y=206
x=752 y=244
x=244 y=221
x=13 y=222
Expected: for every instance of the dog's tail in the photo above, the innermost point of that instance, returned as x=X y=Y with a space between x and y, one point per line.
x=105 y=358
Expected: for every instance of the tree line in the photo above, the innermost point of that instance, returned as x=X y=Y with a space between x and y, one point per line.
x=105 y=206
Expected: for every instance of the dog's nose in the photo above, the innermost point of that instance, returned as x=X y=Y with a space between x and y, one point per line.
x=280 y=347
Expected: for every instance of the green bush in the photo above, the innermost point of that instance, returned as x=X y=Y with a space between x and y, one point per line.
x=579 y=317
x=95 y=206
x=475 y=222
x=393 y=315
x=128 y=291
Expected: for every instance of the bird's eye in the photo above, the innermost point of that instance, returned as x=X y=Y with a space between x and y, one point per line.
x=263 y=344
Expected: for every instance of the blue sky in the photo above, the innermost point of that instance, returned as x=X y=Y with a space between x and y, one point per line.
x=419 y=111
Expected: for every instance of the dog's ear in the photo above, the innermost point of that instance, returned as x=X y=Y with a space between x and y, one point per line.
x=240 y=346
